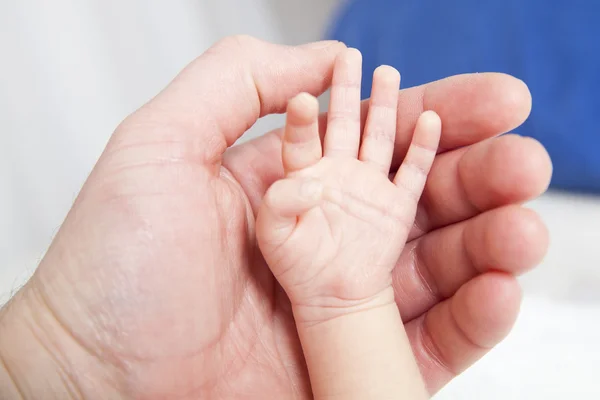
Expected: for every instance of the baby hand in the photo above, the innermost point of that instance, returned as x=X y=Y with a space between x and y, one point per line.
x=333 y=229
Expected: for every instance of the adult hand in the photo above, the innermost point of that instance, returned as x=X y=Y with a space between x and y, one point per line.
x=154 y=287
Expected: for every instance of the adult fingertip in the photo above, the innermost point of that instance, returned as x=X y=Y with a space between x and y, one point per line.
x=512 y=100
x=456 y=333
x=517 y=240
x=477 y=106
x=539 y=160
x=524 y=162
x=505 y=170
x=486 y=308
x=517 y=97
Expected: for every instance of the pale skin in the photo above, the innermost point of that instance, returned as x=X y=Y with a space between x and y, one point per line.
x=153 y=288
x=332 y=230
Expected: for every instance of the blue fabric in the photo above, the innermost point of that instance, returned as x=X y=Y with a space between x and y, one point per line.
x=553 y=45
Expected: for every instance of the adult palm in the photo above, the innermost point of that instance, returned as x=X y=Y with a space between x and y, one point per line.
x=154 y=286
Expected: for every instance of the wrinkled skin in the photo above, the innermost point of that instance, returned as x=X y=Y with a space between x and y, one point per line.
x=154 y=287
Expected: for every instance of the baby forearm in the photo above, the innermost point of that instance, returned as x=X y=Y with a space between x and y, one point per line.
x=362 y=355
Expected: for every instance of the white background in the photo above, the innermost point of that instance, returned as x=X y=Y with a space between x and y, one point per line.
x=71 y=70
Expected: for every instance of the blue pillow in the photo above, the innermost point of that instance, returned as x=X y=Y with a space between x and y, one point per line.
x=553 y=45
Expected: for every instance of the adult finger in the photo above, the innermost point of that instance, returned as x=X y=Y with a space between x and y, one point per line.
x=221 y=94
x=432 y=268
x=489 y=174
x=456 y=333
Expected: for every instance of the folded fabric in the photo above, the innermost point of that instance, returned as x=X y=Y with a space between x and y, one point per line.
x=553 y=45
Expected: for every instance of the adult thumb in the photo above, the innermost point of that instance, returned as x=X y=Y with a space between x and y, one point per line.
x=238 y=80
